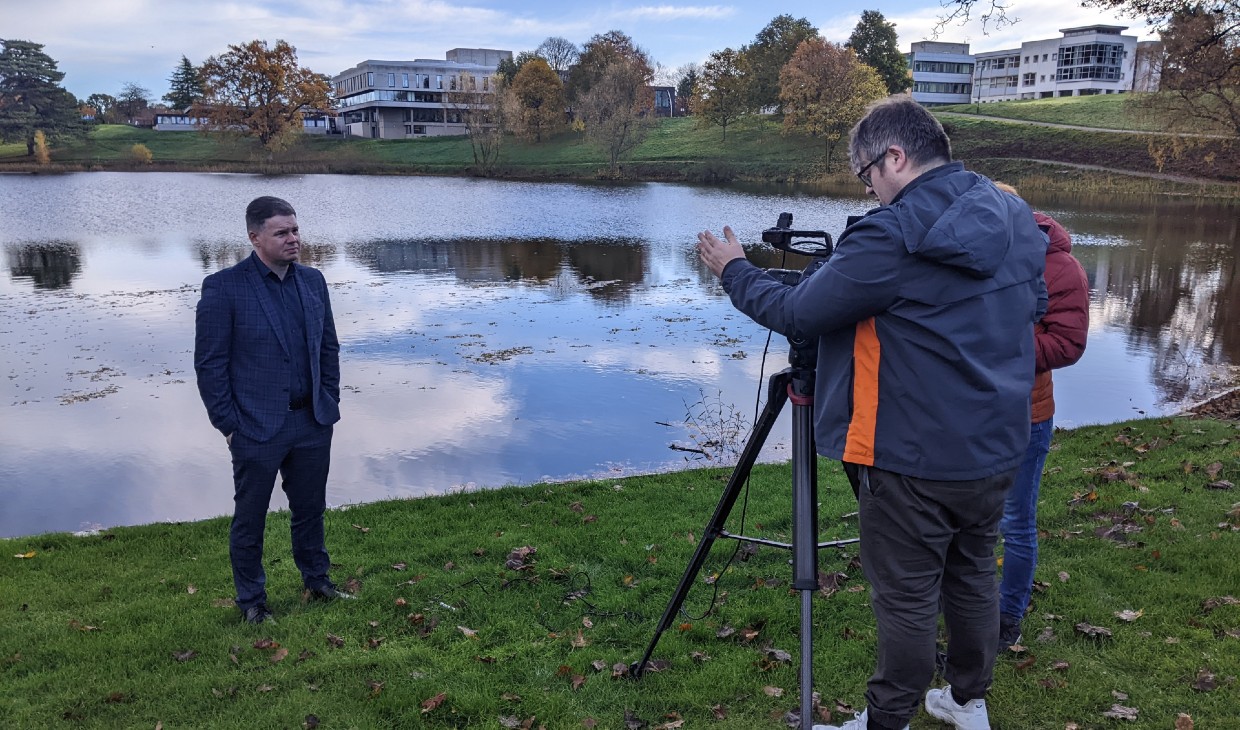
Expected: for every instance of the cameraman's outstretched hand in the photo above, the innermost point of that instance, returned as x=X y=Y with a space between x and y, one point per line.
x=717 y=254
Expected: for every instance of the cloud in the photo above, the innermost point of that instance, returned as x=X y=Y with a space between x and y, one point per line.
x=678 y=12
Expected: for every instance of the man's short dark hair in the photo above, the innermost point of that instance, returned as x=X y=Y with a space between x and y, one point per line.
x=898 y=120
x=260 y=209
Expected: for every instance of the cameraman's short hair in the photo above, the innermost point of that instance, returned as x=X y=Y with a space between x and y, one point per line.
x=260 y=209
x=898 y=120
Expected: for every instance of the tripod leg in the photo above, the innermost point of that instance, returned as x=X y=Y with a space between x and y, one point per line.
x=777 y=395
x=804 y=528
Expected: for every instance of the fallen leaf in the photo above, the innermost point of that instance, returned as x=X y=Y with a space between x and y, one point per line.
x=719 y=712
x=1088 y=630
x=1025 y=664
x=1129 y=615
x=335 y=641
x=190 y=589
x=578 y=681
x=266 y=644
x=1121 y=696
x=399 y=566
x=376 y=687
x=773 y=691
x=1221 y=485
x=1214 y=469
x=1119 y=712
x=305 y=655
x=468 y=632
x=1063 y=576
x=279 y=655
x=24 y=556
x=433 y=702
x=185 y=655
x=590 y=722
x=264 y=688
x=1183 y=722
x=375 y=641
x=619 y=669
x=311 y=722
x=1205 y=681
x=579 y=641
x=363 y=529
x=1060 y=666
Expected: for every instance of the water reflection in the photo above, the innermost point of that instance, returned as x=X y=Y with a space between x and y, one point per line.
x=506 y=347
x=48 y=265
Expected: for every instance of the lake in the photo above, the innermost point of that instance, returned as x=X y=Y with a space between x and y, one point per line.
x=492 y=332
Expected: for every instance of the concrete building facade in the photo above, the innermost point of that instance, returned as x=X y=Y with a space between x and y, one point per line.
x=1093 y=59
x=420 y=98
x=942 y=73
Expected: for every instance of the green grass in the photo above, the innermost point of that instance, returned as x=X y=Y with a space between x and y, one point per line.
x=91 y=628
x=1104 y=111
x=679 y=149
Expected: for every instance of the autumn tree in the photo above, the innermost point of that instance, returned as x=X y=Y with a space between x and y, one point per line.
x=559 y=53
x=762 y=61
x=616 y=109
x=185 y=86
x=132 y=102
x=825 y=90
x=597 y=56
x=260 y=92
x=483 y=109
x=31 y=98
x=875 y=43
x=720 y=92
x=539 y=94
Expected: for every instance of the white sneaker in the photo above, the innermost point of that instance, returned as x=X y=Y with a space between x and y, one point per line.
x=860 y=722
x=970 y=716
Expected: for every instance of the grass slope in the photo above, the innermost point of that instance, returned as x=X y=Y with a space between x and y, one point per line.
x=456 y=626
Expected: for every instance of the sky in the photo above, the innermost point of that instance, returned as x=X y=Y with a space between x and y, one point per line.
x=101 y=45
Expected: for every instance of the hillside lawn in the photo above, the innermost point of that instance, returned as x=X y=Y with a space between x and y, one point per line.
x=681 y=150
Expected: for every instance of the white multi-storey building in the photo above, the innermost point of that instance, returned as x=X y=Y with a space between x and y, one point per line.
x=403 y=99
x=942 y=73
x=1092 y=59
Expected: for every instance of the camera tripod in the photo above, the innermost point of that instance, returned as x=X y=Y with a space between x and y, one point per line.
x=795 y=383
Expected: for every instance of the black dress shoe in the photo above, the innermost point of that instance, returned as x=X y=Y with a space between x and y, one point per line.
x=329 y=592
x=259 y=614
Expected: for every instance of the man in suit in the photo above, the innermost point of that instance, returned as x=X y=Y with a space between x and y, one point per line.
x=268 y=366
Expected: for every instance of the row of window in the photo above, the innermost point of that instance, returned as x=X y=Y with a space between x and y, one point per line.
x=424 y=97
x=420 y=81
x=1104 y=73
x=942 y=67
x=941 y=87
x=1091 y=54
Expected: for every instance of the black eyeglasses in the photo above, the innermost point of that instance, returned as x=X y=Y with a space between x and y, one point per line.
x=863 y=174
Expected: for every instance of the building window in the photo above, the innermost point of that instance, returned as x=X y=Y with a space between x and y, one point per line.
x=404 y=81
x=408 y=129
x=486 y=83
x=391 y=81
x=419 y=129
x=370 y=79
x=439 y=81
x=1028 y=79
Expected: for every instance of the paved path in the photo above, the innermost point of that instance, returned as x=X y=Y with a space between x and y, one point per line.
x=1135 y=173
x=1056 y=125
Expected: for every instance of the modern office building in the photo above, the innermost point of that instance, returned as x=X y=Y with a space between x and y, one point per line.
x=420 y=98
x=1092 y=59
x=942 y=73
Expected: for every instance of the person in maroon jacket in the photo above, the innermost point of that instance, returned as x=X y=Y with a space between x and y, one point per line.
x=1059 y=340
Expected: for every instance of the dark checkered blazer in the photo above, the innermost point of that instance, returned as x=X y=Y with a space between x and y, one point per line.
x=242 y=360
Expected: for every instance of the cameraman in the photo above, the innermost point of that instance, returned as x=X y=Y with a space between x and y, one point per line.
x=924 y=318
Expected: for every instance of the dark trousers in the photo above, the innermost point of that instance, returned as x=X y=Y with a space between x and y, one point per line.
x=300 y=453
x=927 y=545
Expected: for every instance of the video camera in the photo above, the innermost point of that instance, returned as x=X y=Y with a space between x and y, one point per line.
x=782 y=234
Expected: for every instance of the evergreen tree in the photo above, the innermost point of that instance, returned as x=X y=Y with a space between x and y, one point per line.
x=31 y=98
x=185 y=86
x=875 y=43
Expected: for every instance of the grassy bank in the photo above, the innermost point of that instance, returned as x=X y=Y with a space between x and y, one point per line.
x=679 y=150
x=517 y=608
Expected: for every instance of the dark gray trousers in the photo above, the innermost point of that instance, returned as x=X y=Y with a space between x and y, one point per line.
x=927 y=545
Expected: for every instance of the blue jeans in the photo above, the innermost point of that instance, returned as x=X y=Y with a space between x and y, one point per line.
x=1019 y=525
x=300 y=453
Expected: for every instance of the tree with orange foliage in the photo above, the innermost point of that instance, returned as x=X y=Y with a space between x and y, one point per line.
x=825 y=90
x=540 y=94
x=260 y=91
